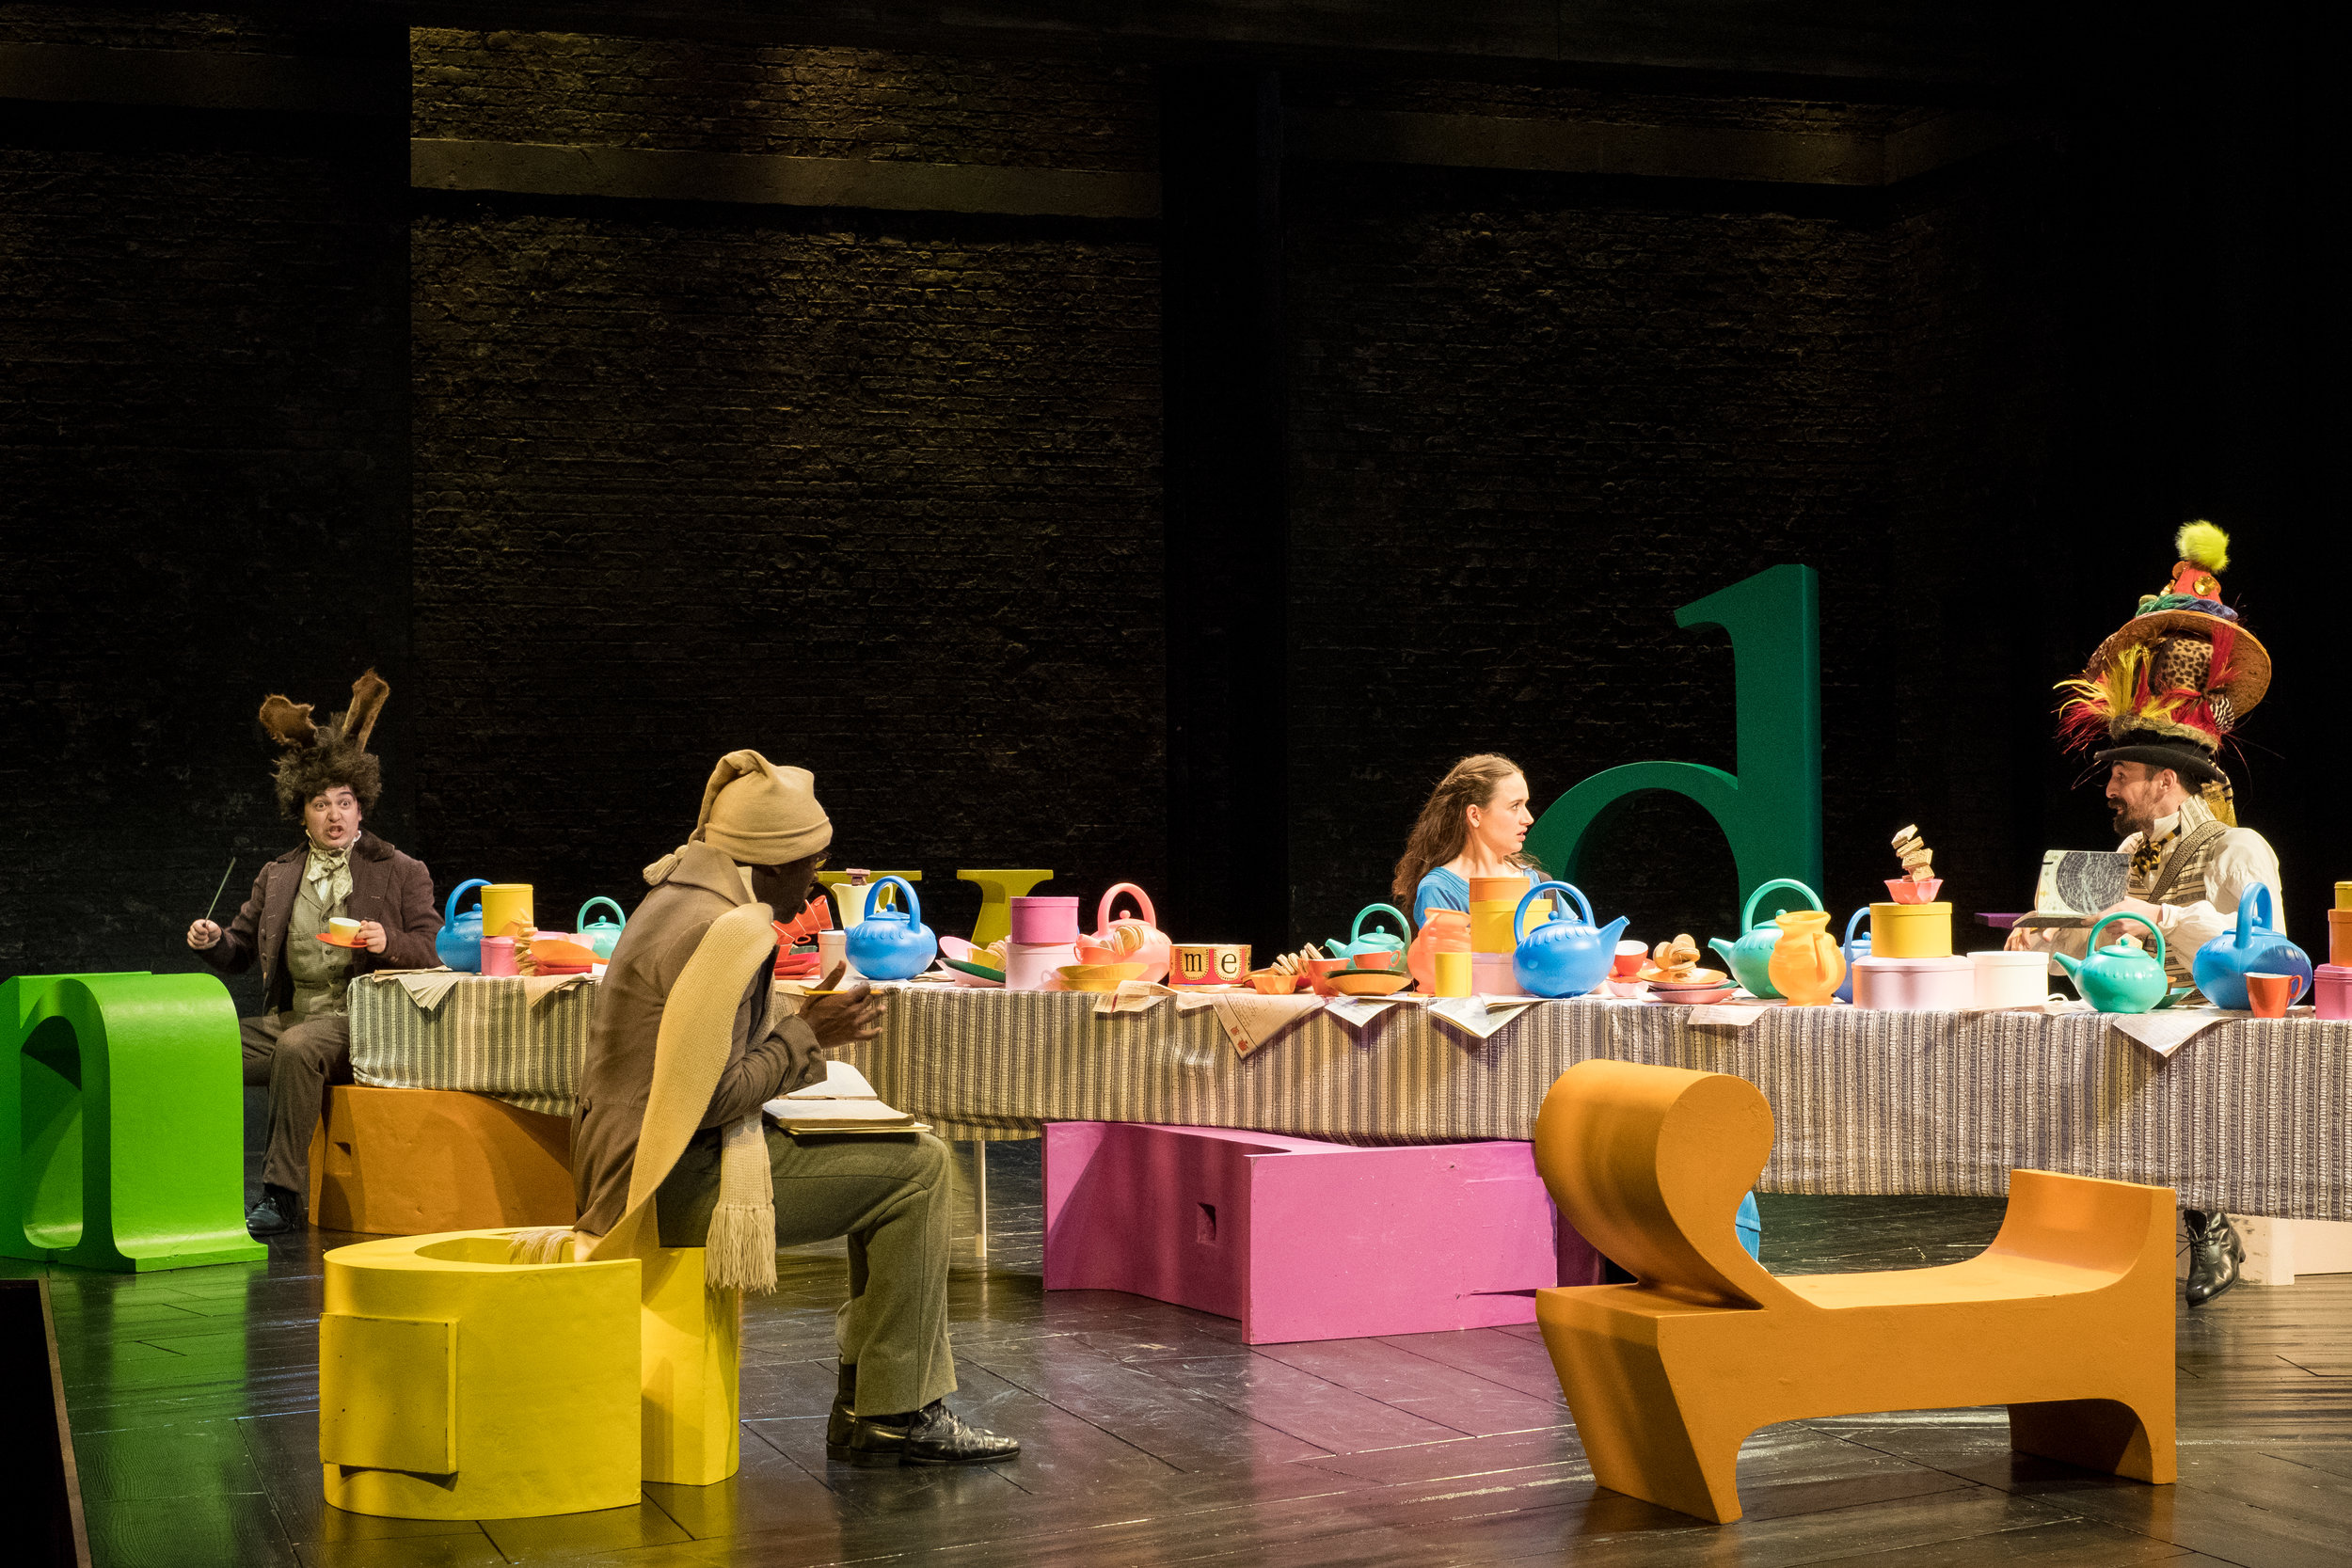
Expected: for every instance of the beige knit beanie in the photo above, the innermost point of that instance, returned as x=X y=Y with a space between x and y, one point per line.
x=754 y=812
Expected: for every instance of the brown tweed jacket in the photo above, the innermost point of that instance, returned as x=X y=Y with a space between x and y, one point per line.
x=386 y=886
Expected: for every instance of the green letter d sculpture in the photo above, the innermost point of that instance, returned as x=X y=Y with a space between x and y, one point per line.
x=1771 y=810
x=121 y=1122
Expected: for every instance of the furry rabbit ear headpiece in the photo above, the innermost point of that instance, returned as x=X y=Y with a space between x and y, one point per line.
x=318 y=757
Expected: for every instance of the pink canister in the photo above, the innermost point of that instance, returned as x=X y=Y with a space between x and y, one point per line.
x=1029 y=964
x=498 y=955
x=1914 y=985
x=2332 y=990
x=1045 y=921
x=1491 y=975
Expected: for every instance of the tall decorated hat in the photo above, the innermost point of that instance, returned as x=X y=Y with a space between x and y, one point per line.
x=2169 y=688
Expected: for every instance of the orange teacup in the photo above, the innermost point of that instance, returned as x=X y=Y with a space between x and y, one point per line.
x=2271 y=995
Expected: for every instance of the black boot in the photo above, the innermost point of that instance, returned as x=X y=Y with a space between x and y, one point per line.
x=278 y=1211
x=932 y=1435
x=2214 y=1253
x=844 y=1414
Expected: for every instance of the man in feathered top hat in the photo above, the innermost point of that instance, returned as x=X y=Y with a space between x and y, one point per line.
x=301 y=1042
x=2162 y=693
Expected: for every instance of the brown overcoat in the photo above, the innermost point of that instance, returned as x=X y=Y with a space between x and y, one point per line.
x=772 y=1053
x=388 y=887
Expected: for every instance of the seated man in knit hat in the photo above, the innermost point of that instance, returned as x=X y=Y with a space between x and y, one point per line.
x=755 y=847
x=301 y=1040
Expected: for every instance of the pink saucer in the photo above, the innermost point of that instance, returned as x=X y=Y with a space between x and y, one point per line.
x=1904 y=890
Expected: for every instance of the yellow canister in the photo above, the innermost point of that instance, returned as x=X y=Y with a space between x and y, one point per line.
x=504 y=904
x=1490 y=923
x=1911 y=930
x=2344 y=895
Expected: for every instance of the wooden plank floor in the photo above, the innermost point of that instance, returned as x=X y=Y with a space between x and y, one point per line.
x=1153 y=1436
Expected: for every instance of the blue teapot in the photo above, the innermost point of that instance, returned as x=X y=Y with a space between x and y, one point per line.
x=1856 y=947
x=1378 y=949
x=459 y=945
x=2255 y=947
x=604 y=935
x=1562 y=956
x=1750 y=958
x=892 y=944
x=2120 y=979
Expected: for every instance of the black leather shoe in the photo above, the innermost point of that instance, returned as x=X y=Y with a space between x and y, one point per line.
x=844 y=1416
x=2215 y=1252
x=278 y=1212
x=932 y=1435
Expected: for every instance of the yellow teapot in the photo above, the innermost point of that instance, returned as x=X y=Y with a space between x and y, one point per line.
x=1807 y=966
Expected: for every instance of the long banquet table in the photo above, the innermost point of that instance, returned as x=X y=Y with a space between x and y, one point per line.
x=2253 y=1115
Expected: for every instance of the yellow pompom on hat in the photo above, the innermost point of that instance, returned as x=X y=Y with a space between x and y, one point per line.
x=756 y=814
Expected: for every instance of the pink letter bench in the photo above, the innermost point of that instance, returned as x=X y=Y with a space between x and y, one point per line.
x=1304 y=1240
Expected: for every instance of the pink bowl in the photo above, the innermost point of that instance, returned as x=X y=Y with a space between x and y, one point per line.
x=1904 y=890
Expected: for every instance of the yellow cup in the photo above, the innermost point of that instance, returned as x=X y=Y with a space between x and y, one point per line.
x=1454 y=973
x=505 y=904
x=1911 y=930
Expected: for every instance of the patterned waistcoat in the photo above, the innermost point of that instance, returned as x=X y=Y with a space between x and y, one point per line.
x=2180 y=877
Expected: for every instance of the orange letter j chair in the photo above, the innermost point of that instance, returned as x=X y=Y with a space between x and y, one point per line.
x=2066 y=1317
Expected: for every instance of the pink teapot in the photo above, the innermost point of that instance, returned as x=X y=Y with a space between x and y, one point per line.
x=1133 y=940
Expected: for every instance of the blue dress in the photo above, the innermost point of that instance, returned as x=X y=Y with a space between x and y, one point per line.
x=1447 y=890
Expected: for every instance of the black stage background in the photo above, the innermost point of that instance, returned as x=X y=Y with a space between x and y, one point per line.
x=1186 y=550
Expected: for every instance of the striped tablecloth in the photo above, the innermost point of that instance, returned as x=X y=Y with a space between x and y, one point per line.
x=2253 y=1115
x=483 y=1034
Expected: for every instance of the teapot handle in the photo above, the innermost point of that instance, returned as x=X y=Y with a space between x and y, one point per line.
x=2091 y=947
x=1518 y=916
x=1747 y=915
x=579 y=921
x=1845 y=949
x=1355 y=932
x=1103 y=911
x=2245 y=906
x=448 y=911
x=914 y=905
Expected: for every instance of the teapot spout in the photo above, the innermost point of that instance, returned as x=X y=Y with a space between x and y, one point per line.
x=1720 y=945
x=2072 y=965
x=1611 y=933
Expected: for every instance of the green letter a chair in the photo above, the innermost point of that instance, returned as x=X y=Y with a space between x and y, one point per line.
x=121 y=1122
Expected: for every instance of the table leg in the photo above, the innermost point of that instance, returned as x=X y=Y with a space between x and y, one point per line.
x=980 y=1196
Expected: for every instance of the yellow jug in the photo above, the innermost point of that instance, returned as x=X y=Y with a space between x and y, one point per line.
x=1807 y=966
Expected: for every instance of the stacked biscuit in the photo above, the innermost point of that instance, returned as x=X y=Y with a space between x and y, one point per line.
x=1918 y=860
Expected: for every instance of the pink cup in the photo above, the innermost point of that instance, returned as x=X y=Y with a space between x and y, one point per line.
x=498 y=955
x=1045 y=922
x=2332 y=990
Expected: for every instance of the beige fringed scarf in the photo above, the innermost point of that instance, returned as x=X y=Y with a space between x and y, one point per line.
x=697 y=1027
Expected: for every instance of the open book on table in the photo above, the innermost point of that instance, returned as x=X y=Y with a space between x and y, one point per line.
x=844 y=1102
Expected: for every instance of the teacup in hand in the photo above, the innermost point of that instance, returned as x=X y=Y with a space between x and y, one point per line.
x=343 y=930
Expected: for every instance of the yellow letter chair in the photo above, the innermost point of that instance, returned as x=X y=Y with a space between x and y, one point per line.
x=2066 y=1317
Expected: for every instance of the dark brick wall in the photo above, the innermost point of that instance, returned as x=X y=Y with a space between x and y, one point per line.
x=874 y=494
x=1534 y=415
x=204 y=433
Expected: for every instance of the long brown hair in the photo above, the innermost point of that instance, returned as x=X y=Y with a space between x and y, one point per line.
x=1443 y=826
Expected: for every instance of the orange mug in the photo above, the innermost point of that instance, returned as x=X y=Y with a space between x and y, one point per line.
x=2270 y=995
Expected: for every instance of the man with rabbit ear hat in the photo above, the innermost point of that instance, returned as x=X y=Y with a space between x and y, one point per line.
x=326 y=781
x=670 y=1146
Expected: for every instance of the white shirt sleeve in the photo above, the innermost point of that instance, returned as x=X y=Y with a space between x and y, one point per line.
x=2242 y=859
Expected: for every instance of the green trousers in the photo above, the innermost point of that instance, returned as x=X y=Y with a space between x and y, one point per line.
x=890 y=1196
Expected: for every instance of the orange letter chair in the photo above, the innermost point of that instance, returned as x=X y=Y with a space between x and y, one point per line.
x=2066 y=1317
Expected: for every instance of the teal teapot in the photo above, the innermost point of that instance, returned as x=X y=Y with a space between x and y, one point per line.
x=1750 y=958
x=459 y=944
x=1372 y=949
x=2256 y=947
x=2121 y=978
x=892 y=944
x=1562 y=956
x=602 y=936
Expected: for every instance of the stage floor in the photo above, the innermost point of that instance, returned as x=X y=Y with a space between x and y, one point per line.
x=1152 y=1435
